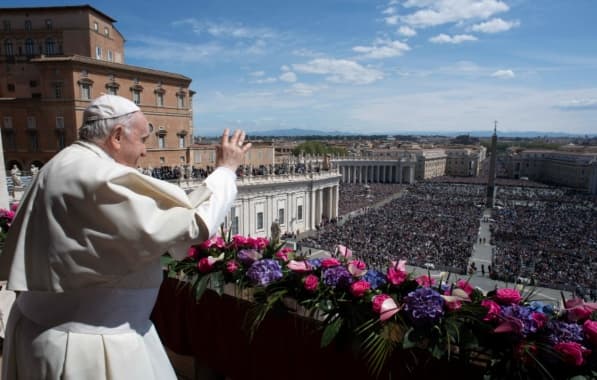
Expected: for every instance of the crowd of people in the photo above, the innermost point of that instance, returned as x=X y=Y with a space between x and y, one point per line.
x=174 y=173
x=543 y=234
x=357 y=196
x=548 y=236
x=430 y=223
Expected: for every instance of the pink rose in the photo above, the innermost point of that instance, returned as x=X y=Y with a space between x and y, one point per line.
x=507 y=296
x=425 y=281
x=539 y=318
x=590 y=329
x=310 y=282
x=579 y=310
x=330 y=262
x=205 y=264
x=453 y=305
x=214 y=242
x=493 y=310
x=385 y=306
x=464 y=285
x=281 y=255
x=397 y=272
x=359 y=288
x=342 y=251
x=572 y=352
x=299 y=266
x=192 y=252
x=14 y=206
x=231 y=266
x=357 y=268
x=240 y=241
x=257 y=243
x=284 y=253
x=454 y=298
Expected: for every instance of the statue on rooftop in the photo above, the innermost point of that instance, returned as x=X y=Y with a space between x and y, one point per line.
x=15 y=174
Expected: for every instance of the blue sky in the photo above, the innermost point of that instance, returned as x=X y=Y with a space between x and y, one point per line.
x=372 y=66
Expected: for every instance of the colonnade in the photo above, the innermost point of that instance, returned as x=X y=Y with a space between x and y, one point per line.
x=376 y=171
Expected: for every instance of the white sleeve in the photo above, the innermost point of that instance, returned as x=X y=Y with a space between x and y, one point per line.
x=222 y=185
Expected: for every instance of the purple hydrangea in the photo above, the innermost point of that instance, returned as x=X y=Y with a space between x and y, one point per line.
x=375 y=278
x=522 y=314
x=263 y=272
x=559 y=332
x=424 y=306
x=315 y=263
x=337 y=277
x=248 y=256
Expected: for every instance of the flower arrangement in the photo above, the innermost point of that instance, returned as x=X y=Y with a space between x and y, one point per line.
x=509 y=335
x=6 y=217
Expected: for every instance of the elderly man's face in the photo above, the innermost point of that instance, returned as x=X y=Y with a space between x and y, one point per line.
x=133 y=141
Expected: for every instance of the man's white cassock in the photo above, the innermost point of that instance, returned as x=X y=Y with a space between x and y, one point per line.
x=84 y=252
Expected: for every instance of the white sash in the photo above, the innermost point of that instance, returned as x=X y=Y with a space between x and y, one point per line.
x=91 y=311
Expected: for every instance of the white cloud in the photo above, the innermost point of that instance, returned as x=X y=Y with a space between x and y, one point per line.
x=302 y=89
x=495 y=25
x=440 y=12
x=475 y=107
x=226 y=29
x=284 y=68
x=579 y=104
x=340 y=71
x=288 y=76
x=158 y=49
x=407 y=31
x=503 y=74
x=267 y=80
x=306 y=53
x=257 y=73
x=382 y=49
x=389 y=11
x=391 y=20
x=456 y=39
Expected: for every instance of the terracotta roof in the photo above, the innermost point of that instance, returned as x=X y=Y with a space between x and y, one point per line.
x=58 y=8
x=119 y=66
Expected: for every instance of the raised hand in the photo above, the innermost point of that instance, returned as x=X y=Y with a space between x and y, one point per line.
x=232 y=149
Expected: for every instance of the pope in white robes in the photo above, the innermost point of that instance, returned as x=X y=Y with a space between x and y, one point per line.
x=84 y=250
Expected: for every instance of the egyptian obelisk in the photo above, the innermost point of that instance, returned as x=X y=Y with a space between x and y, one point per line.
x=490 y=201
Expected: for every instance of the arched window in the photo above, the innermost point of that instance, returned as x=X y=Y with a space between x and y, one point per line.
x=29 y=47
x=28 y=25
x=8 y=48
x=50 y=46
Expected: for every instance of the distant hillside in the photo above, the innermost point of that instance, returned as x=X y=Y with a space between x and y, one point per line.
x=296 y=132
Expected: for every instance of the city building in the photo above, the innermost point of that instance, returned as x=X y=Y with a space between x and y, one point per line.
x=465 y=161
x=55 y=60
x=564 y=168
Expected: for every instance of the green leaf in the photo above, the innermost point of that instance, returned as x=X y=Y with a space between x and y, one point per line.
x=217 y=282
x=199 y=286
x=166 y=260
x=331 y=331
x=407 y=342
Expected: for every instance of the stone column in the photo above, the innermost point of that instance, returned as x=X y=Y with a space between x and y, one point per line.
x=336 y=200
x=313 y=212
x=330 y=198
x=4 y=202
x=319 y=204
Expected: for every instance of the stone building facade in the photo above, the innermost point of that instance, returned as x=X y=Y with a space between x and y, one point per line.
x=465 y=161
x=572 y=169
x=55 y=60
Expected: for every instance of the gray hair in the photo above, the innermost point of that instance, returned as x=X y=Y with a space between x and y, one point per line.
x=99 y=130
